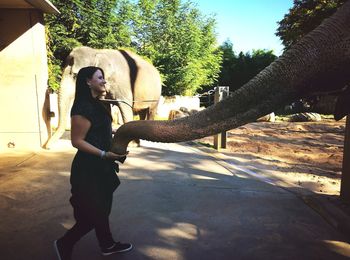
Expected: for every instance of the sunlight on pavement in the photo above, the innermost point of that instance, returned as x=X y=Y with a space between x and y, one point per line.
x=157 y=252
x=165 y=146
x=216 y=168
x=132 y=161
x=242 y=176
x=179 y=231
x=201 y=177
x=134 y=176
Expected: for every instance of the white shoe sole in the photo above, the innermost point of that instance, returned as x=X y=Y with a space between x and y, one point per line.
x=116 y=252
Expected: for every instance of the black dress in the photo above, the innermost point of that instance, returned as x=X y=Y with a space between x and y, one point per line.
x=90 y=173
x=93 y=180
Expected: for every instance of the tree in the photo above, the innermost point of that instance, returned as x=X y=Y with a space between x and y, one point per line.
x=228 y=63
x=303 y=17
x=180 y=42
x=239 y=69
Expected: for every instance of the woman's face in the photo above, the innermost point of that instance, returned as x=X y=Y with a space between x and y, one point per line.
x=97 y=84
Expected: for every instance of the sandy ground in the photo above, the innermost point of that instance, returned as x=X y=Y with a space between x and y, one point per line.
x=307 y=154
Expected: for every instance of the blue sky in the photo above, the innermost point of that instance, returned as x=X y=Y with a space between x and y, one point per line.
x=249 y=24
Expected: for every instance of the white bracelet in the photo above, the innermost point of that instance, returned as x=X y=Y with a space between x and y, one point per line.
x=103 y=154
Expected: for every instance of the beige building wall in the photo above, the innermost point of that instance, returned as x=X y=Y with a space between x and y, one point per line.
x=23 y=78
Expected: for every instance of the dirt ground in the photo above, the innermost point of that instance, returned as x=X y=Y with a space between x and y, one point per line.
x=307 y=154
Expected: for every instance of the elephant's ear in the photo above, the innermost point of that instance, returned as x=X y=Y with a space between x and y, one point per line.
x=342 y=106
x=103 y=61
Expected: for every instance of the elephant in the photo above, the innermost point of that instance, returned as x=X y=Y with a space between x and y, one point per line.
x=132 y=82
x=318 y=64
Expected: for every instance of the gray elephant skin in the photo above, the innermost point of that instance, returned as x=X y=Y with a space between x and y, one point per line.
x=130 y=79
x=318 y=64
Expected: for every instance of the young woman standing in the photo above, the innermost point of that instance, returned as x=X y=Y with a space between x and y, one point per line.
x=93 y=173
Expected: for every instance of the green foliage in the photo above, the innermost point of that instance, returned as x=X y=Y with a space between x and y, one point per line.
x=239 y=69
x=303 y=17
x=54 y=69
x=178 y=40
x=228 y=64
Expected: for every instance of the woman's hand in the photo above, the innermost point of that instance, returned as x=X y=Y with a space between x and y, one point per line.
x=115 y=157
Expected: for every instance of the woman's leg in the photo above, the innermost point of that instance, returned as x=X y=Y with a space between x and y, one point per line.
x=90 y=213
x=101 y=221
x=83 y=223
x=64 y=245
x=103 y=233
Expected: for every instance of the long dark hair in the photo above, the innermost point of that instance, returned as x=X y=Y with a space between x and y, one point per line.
x=82 y=90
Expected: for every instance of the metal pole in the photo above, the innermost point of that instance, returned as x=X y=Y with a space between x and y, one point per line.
x=345 y=177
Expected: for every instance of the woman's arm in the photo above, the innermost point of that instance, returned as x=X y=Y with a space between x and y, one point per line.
x=79 y=129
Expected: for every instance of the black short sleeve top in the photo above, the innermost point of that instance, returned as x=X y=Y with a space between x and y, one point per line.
x=100 y=132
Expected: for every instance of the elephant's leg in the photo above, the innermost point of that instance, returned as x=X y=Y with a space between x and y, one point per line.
x=65 y=99
x=126 y=112
x=143 y=114
x=64 y=105
x=46 y=113
x=152 y=112
x=127 y=116
x=117 y=117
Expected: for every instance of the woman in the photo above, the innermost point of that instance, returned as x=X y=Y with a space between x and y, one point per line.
x=93 y=173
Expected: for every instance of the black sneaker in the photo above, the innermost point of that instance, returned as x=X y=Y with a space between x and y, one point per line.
x=62 y=252
x=116 y=248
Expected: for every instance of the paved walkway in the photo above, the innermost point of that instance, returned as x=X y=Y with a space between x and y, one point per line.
x=175 y=202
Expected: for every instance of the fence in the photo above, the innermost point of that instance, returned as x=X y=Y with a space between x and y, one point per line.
x=209 y=98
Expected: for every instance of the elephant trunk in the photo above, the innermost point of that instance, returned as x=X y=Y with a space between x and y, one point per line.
x=227 y=114
x=319 y=63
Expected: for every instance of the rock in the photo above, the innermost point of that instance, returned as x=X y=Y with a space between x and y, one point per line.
x=174 y=113
x=182 y=112
x=305 y=117
x=268 y=118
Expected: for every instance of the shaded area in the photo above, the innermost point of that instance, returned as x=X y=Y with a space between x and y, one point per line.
x=10 y=31
x=174 y=203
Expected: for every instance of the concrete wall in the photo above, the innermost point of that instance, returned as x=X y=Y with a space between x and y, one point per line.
x=23 y=78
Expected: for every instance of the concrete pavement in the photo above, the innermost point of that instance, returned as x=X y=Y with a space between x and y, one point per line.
x=175 y=202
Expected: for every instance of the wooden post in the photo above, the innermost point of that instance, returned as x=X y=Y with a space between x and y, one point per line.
x=345 y=177
x=220 y=139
